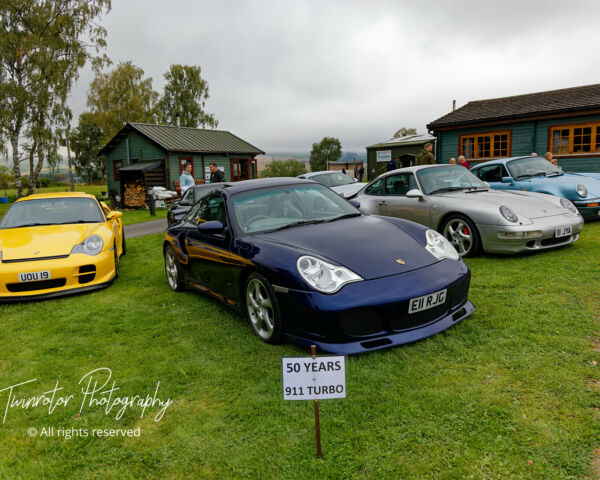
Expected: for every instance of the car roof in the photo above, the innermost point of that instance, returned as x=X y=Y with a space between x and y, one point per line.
x=312 y=174
x=256 y=184
x=503 y=160
x=37 y=196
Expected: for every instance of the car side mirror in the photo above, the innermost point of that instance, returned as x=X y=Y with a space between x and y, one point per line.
x=185 y=203
x=114 y=214
x=354 y=203
x=507 y=180
x=211 y=227
x=414 y=193
x=355 y=179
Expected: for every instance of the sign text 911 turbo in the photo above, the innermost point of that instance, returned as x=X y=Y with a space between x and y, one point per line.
x=313 y=378
x=427 y=301
x=34 y=276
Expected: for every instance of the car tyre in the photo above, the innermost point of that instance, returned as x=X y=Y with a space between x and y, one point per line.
x=116 y=261
x=462 y=233
x=173 y=270
x=123 y=247
x=262 y=309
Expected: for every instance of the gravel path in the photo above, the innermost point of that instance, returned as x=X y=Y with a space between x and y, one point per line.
x=145 y=228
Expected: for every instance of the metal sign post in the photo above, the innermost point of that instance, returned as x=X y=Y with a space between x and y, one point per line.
x=313 y=351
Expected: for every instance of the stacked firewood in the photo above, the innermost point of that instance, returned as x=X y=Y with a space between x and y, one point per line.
x=135 y=194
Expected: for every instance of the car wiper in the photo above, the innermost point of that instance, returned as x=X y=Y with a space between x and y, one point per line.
x=477 y=189
x=539 y=174
x=294 y=224
x=445 y=189
x=73 y=222
x=555 y=174
x=29 y=225
x=346 y=215
x=523 y=177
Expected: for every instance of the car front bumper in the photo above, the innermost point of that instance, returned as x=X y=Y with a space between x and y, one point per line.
x=588 y=212
x=74 y=274
x=373 y=314
x=493 y=237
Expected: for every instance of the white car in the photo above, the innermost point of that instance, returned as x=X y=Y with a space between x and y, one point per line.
x=339 y=182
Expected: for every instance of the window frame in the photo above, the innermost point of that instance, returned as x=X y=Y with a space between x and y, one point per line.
x=594 y=139
x=492 y=136
x=116 y=176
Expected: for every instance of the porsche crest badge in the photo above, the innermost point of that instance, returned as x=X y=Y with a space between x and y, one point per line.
x=400 y=261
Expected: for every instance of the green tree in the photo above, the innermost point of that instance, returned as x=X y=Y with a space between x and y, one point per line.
x=5 y=178
x=284 y=168
x=403 y=132
x=122 y=96
x=185 y=93
x=85 y=143
x=43 y=45
x=327 y=150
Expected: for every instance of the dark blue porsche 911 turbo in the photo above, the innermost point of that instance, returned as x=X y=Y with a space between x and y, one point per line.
x=306 y=265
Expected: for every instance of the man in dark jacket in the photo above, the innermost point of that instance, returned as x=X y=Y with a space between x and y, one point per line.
x=426 y=157
x=216 y=175
x=391 y=165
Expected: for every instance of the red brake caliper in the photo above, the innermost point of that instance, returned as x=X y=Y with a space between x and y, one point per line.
x=466 y=231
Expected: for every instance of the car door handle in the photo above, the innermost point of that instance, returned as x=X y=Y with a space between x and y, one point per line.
x=382 y=202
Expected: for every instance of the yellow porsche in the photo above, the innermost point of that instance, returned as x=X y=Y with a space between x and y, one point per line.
x=57 y=244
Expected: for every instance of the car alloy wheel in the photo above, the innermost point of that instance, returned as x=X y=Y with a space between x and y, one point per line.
x=173 y=270
x=262 y=309
x=463 y=235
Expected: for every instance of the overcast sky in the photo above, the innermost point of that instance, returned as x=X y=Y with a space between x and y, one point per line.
x=284 y=74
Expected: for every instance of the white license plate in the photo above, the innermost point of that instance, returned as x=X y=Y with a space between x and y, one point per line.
x=563 y=231
x=34 y=276
x=427 y=301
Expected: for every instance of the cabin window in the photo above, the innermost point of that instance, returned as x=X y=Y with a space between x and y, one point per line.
x=575 y=139
x=484 y=146
x=116 y=165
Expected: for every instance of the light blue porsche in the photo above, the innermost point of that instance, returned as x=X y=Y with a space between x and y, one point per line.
x=536 y=174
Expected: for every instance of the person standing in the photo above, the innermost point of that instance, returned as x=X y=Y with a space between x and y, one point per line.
x=216 y=175
x=426 y=157
x=453 y=161
x=186 y=180
x=551 y=158
x=391 y=165
x=361 y=172
x=463 y=162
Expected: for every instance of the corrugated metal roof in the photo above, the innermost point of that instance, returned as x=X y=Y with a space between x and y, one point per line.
x=407 y=140
x=141 y=166
x=553 y=101
x=188 y=139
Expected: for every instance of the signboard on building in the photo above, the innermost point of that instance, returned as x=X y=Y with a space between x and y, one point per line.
x=384 y=155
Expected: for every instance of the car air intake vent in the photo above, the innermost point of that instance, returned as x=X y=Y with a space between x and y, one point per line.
x=17 y=260
x=87 y=273
x=39 y=285
x=361 y=322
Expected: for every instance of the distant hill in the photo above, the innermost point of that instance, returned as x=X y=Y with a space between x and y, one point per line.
x=304 y=156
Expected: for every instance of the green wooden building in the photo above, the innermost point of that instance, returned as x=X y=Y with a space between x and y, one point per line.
x=156 y=154
x=565 y=122
x=403 y=151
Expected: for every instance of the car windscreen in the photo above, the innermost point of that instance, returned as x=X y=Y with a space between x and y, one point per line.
x=531 y=167
x=52 y=211
x=332 y=179
x=445 y=179
x=281 y=207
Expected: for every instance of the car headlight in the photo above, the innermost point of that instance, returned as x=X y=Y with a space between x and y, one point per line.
x=90 y=246
x=568 y=205
x=508 y=214
x=581 y=190
x=439 y=246
x=323 y=276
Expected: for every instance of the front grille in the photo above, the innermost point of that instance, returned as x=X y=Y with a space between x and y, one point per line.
x=361 y=322
x=39 y=285
x=401 y=320
x=554 y=241
x=87 y=273
x=17 y=260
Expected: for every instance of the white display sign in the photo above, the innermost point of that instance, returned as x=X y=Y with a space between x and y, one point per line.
x=307 y=378
x=384 y=156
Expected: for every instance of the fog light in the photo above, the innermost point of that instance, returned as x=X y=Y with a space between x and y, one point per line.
x=532 y=234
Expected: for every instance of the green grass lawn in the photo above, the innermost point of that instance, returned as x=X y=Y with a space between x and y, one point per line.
x=510 y=393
